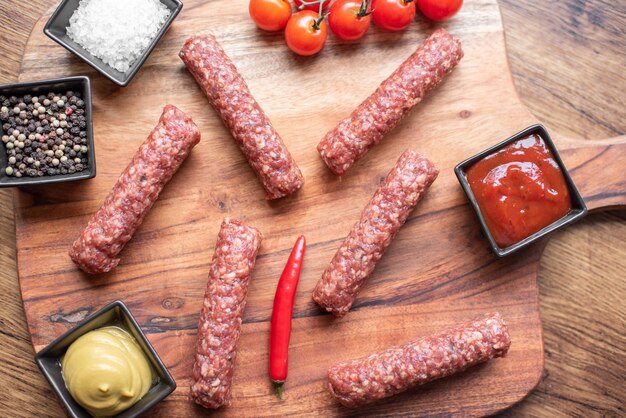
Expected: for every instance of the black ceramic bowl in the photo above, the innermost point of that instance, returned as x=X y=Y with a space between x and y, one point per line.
x=80 y=84
x=60 y=20
x=115 y=313
x=578 y=205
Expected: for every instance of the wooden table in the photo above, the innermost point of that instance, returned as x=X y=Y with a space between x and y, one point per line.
x=568 y=65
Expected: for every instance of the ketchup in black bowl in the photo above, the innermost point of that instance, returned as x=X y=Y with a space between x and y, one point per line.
x=520 y=190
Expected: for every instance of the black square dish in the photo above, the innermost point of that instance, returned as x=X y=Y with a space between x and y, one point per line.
x=60 y=20
x=115 y=313
x=577 y=211
x=79 y=84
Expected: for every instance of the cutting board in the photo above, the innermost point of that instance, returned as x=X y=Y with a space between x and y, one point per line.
x=439 y=270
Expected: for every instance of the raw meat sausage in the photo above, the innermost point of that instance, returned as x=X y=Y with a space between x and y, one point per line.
x=220 y=320
x=229 y=95
x=136 y=190
x=380 y=375
x=392 y=100
x=381 y=219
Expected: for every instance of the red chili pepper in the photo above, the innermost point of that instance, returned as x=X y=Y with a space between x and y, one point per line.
x=280 y=329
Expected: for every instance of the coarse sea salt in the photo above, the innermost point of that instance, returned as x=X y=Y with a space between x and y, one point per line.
x=117 y=31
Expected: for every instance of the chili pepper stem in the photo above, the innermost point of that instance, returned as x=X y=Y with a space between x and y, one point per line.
x=278 y=386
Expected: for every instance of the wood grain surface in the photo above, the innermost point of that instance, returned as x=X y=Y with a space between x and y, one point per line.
x=594 y=375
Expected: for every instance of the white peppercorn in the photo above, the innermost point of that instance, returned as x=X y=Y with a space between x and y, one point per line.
x=55 y=162
x=12 y=160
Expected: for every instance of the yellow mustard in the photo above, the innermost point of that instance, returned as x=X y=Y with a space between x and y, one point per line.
x=106 y=371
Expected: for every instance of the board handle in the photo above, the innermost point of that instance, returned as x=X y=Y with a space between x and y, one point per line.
x=598 y=169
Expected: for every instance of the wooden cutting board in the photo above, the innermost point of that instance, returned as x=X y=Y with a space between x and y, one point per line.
x=439 y=271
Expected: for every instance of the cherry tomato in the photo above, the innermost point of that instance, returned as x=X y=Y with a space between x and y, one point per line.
x=303 y=35
x=270 y=15
x=393 y=14
x=439 y=9
x=347 y=21
x=313 y=7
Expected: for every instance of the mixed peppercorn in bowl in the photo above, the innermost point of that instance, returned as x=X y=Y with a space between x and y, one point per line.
x=46 y=132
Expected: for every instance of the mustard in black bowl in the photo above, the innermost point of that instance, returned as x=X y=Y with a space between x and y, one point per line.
x=106 y=367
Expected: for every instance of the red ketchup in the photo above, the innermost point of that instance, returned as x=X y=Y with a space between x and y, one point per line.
x=519 y=189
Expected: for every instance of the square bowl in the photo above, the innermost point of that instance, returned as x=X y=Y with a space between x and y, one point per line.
x=56 y=30
x=578 y=210
x=79 y=84
x=115 y=313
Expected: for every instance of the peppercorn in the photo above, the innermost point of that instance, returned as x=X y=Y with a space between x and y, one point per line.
x=36 y=136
